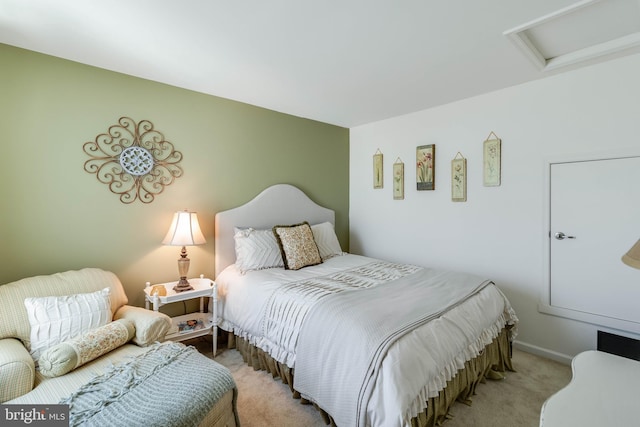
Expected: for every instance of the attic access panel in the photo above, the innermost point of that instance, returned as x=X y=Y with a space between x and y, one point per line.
x=585 y=30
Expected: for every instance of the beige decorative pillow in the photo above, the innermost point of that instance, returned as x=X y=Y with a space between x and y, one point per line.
x=151 y=326
x=297 y=245
x=69 y=355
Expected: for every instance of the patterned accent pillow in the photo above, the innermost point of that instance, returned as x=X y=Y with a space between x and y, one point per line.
x=325 y=236
x=56 y=319
x=69 y=355
x=256 y=249
x=297 y=245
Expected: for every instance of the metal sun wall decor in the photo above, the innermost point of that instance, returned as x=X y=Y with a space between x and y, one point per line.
x=134 y=160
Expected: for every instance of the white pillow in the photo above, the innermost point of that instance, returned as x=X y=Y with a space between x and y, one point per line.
x=256 y=249
x=326 y=239
x=56 y=319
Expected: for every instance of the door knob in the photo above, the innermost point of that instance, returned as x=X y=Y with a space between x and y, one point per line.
x=561 y=236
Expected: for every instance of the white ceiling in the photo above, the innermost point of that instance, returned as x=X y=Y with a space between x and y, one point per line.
x=345 y=62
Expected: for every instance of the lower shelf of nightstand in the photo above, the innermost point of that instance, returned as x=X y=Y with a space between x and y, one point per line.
x=175 y=335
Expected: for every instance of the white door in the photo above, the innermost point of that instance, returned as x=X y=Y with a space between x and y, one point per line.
x=594 y=220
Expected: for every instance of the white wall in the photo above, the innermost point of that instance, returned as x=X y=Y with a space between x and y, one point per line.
x=500 y=232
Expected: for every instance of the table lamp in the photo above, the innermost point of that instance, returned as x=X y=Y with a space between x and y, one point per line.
x=184 y=231
x=632 y=257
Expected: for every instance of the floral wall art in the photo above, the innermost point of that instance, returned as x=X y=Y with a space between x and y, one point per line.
x=425 y=167
x=377 y=170
x=491 y=161
x=398 y=180
x=459 y=179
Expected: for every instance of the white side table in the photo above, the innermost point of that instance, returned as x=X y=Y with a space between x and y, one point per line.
x=602 y=392
x=180 y=331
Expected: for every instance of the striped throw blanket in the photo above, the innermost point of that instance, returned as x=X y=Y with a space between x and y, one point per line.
x=169 y=385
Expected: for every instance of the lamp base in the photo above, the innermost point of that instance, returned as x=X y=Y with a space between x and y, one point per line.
x=183 y=285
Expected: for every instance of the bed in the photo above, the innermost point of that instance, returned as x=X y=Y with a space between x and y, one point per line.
x=367 y=341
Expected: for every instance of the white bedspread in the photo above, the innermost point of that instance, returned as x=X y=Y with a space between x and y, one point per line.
x=244 y=298
x=361 y=326
x=401 y=386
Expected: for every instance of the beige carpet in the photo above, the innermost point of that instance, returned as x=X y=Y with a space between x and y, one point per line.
x=512 y=402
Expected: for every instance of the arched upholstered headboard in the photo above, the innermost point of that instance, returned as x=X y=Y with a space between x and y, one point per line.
x=279 y=204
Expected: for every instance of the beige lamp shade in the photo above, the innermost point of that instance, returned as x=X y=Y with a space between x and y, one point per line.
x=632 y=257
x=184 y=230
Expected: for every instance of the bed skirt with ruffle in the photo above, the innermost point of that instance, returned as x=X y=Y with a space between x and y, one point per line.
x=494 y=359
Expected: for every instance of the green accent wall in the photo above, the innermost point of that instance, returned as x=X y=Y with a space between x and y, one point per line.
x=57 y=217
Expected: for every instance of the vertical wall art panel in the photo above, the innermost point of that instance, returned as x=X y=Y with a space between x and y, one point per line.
x=491 y=161
x=398 y=180
x=425 y=167
x=459 y=178
x=377 y=170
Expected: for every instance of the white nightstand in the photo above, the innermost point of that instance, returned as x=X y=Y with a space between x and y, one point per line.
x=207 y=322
